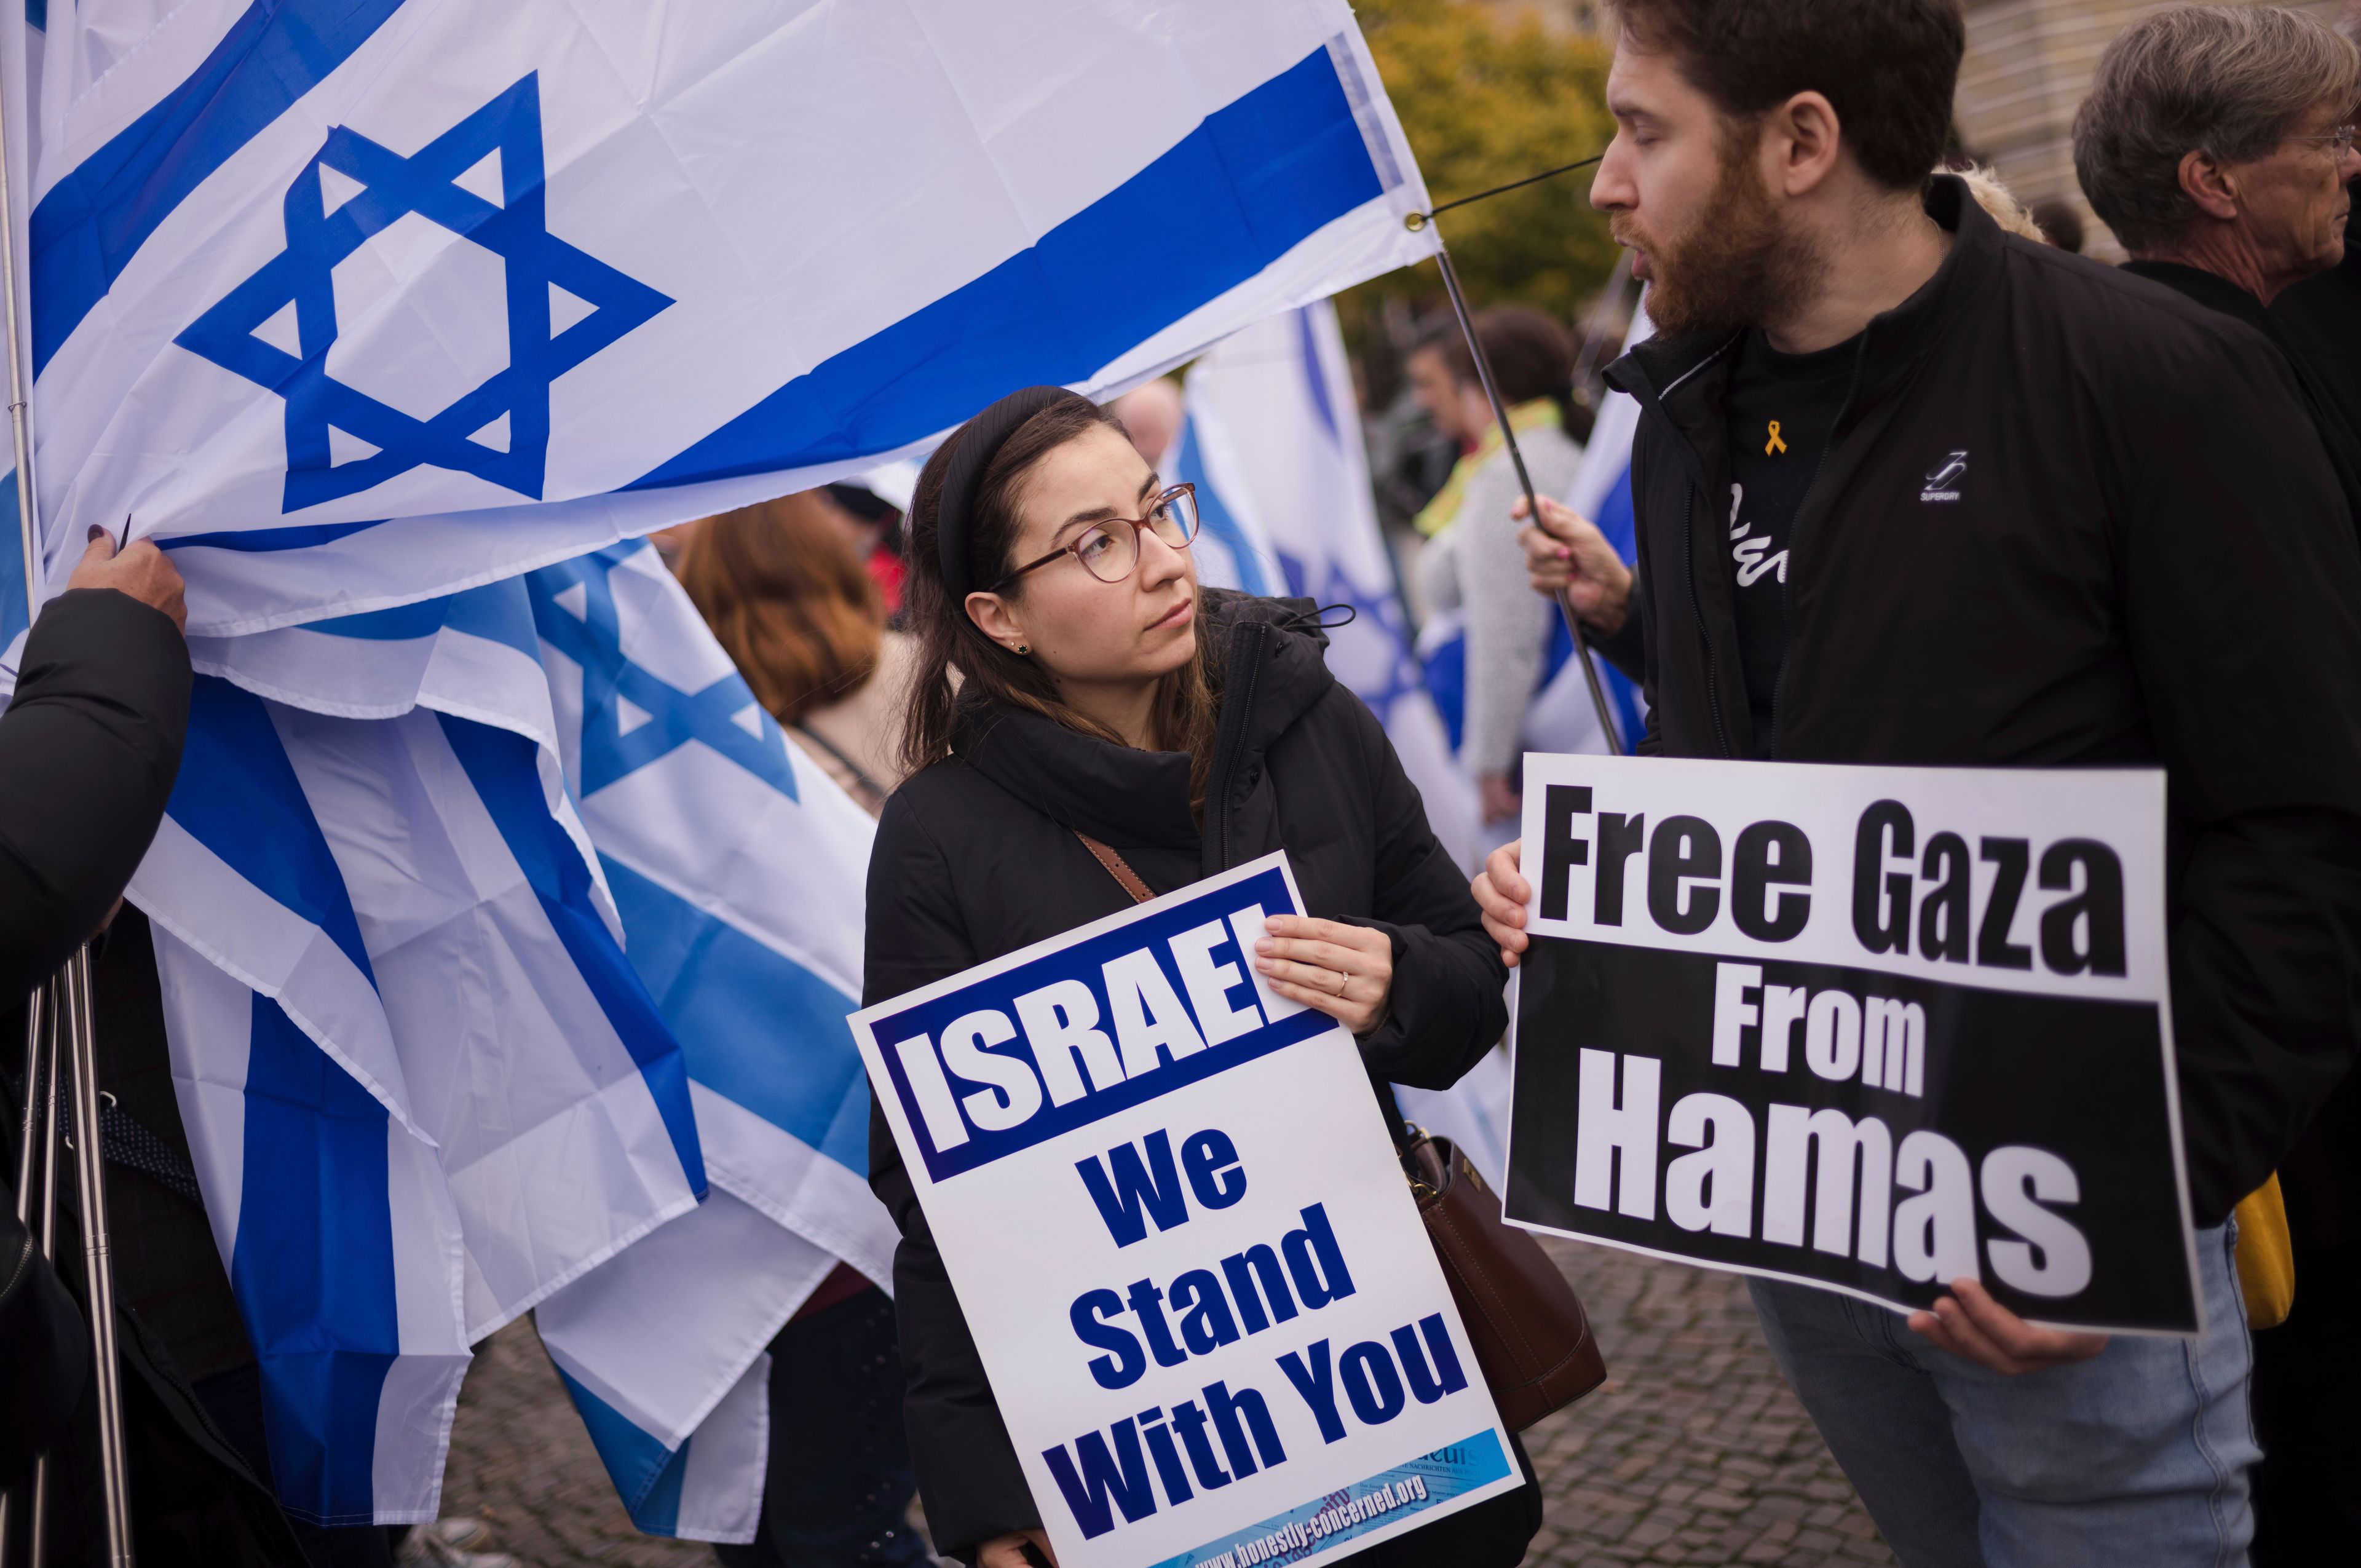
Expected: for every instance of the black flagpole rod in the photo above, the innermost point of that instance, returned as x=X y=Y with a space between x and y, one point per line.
x=1417 y=221
x=1532 y=500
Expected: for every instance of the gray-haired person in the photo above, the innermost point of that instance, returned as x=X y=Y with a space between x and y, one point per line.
x=2218 y=142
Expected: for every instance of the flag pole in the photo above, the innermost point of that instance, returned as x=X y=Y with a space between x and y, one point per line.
x=70 y=1025
x=1532 y=500
x=37 y=1138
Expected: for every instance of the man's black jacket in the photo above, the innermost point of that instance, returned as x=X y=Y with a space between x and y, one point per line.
x=2150 y=563
x=88 y=752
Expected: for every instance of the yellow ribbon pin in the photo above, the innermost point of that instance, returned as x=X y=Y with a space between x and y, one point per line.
x=1775 y=444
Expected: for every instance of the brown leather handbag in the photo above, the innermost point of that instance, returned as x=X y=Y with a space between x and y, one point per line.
x=1530 y=1333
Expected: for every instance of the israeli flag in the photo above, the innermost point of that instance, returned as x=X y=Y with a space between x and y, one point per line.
x=353 y=303
x=391 y=893
x=1273 y=442
x=20 y=56
x=1602 y=492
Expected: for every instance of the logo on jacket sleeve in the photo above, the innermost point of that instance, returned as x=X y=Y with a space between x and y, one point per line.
x=1942 y=484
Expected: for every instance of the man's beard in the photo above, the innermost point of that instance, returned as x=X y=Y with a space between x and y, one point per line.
x=1740 y=268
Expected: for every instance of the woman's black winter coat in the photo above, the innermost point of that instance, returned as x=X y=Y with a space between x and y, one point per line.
x=976 y=857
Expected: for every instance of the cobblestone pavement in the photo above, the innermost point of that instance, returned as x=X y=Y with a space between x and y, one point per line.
x=1694 y=1451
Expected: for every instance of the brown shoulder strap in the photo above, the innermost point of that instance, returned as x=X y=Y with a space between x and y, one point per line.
x=1105 y=854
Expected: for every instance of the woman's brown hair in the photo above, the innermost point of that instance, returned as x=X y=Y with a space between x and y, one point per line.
x=1187 y=702
x=782 y=588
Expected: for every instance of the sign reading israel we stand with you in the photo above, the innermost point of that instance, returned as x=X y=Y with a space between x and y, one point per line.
x=1870 y=1029
x=1211 y=1315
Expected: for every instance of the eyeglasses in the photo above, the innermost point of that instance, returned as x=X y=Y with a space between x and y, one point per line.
x=2340 y=140
x=1109 y=550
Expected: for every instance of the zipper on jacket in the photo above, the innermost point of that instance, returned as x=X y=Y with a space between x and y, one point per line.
x=1229 y=738
x=1651 y=406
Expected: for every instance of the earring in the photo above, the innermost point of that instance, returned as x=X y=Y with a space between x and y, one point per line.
x=1023 y=648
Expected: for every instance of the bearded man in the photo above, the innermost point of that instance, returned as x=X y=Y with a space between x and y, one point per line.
x=1914 y=491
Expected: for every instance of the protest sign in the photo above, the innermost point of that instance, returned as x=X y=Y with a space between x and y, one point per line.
x=1871 y=1029
x=1167 y=1198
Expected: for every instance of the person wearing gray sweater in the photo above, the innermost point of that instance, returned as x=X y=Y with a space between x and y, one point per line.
x=1473 y=571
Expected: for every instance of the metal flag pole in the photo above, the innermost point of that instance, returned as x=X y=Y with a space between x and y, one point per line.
x=1532 y=500
x=36 y=1139
x=69 y=1023
x=38 y=1536
x=98 y=1263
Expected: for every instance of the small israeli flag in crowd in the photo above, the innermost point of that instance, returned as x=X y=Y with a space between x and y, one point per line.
x=427 y=1089
x=354 y=302
x=1273 y=442
x=1602 y=492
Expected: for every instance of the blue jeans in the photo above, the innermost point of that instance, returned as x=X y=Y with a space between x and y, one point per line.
x=2137 y=1457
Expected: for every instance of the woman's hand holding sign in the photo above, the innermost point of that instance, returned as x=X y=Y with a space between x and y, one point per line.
x=1345 y=971
x=1009 y=1551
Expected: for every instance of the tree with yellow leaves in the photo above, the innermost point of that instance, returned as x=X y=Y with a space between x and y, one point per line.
x=1486 y=100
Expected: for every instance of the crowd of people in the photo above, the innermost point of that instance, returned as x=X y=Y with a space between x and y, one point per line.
x=1915 y=483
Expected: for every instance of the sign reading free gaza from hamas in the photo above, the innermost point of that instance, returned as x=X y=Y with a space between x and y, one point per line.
x=1869 y=1030
x=1167 y=1198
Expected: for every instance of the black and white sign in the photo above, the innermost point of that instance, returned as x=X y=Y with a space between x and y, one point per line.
x=1865 y=1029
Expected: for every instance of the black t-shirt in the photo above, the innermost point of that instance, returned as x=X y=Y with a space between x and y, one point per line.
x=1781 y=409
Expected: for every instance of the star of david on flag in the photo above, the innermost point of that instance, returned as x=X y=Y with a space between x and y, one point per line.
x=276 y=328
x=632 y=716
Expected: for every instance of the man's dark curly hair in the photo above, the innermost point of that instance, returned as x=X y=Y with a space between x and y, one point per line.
x=1886 y=66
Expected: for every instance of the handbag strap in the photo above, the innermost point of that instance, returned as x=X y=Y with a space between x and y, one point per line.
x=1115 y=866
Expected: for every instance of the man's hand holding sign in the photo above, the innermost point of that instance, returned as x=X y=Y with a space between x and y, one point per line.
x=1898 y=1033
x=1179 y=1233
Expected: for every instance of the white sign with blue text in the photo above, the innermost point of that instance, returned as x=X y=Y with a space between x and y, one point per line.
x=1166 y=1195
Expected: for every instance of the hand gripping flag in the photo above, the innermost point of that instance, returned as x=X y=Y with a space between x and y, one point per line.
x=352 y=304
x=426 y=1088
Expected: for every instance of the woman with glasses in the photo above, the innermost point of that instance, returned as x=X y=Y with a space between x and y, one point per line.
x=1083 y=714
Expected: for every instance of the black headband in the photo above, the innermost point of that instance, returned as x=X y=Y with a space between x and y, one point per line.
x=979 y=441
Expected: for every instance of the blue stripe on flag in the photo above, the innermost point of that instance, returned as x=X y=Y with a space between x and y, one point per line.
x=403 y=623
x=87 y=229
x=16 y=611
x=1314 y=376
x=499 y=612
x=238 y=795
x=504 y=768
x=1214 y=516
x=754 y=1025
x=1253 y=180
x=647 y=1475
x=313 y=1267
x=1618 y=521
x=263 y=541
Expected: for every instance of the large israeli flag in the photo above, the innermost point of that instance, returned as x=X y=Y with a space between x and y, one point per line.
x=20 y=56
x=428 y=1089
x=427 y=294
